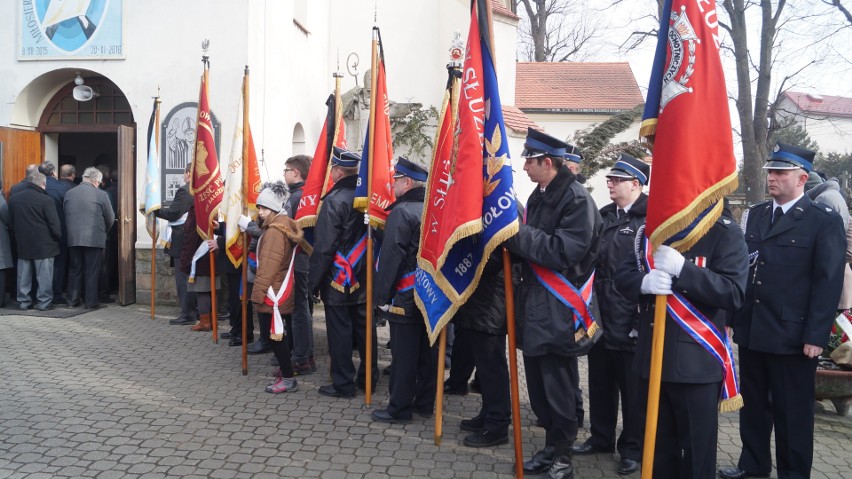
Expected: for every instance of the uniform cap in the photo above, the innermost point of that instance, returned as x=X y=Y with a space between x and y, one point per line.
x=789 y=157
x=345 y=158
x=406 y=167
x=629 y=167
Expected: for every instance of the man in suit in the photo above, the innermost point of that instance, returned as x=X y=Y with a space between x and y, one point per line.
x=88 y=218
x=37 y=233
x=796 y=251
x=176 y=214
x=22 y=185
x=611 y=359
x=56 y=189
x=341 y=237
x=560 y=235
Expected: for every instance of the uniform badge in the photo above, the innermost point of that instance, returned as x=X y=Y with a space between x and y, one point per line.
x=700 y=261
x=726 y=221
x=627 y=230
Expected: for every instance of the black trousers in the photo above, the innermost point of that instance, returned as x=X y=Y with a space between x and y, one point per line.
x=413 y=377
x=552 y=383
x=280 y=350
x=85 y=269
x=60 y=272
x=235 y=307
x=778 y=390
x=300 y=324
x=687 y=431
x=462 y=364
x=345 y=325
x=610 y=376
x=489 y=357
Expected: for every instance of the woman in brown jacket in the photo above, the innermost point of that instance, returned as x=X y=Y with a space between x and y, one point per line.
x=273 y=284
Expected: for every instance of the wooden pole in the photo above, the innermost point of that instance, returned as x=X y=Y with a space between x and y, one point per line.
x=213 y=308
x=513 y=363
x=368 y=387
x=653 y=409
x=439 y=391
x=154 y=233
x=245 y=192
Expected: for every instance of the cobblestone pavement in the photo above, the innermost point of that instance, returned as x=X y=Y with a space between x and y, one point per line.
x=112 y=393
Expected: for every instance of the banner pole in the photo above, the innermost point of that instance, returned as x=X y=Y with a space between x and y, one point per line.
x=513 y=363
x=439 y=391
x=368 y=387
x=214 y=321
x=154 y=234
x=653 y=408
x=244 y=299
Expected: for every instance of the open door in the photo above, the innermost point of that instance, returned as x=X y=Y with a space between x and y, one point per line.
x=18 y=148
x=126 y=223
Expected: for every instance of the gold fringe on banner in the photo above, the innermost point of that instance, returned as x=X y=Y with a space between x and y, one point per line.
x=648 y=128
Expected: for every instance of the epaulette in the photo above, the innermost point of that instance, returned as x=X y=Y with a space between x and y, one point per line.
x=756 y=205
x=823 y=207
x=725 y=221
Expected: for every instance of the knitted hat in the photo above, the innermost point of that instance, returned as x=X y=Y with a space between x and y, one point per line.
x=274 y=196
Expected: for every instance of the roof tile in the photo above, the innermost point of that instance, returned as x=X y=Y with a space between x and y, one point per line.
x=517 y=120
x=579 y=87
x=821 y=104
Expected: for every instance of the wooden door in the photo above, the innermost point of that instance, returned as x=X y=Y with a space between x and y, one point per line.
x=18 y=148
x=126 y=217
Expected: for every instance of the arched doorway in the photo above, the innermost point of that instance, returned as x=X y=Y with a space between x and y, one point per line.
x=100 y=133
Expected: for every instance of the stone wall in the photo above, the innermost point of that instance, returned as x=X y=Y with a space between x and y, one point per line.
x=166 y=294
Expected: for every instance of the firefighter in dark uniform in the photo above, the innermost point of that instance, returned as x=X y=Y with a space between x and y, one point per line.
x=711 y=276
x=796 y=251
x=611 y=359
x=413 y=376
x=338 y=270
x=562 y=234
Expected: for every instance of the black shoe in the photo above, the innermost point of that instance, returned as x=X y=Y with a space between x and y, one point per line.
x=541 y=461
x=382 y=415
x=424 y=414
x=486 y=438
x=455 y=390
x=627 y=466
x=473 y=425
x=49 y=307
x=229 y=335
x=238 y=341
x=362 y=385
x=181 y=321
x=302 y=368
x=258 y=347
x=75 y=304
x=330 y=391
x=586 y=448
x=737 y=473
x=94 y=307
x=561 y=468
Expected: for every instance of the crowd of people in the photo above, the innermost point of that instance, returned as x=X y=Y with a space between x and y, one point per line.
x=55 y=233
x=775 y=280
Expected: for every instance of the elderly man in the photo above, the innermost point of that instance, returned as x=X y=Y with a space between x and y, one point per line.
x=88 y=217
x=18 y=187
x=56 y=189
x=37 y=233
x=796 y=249
x=5 y=247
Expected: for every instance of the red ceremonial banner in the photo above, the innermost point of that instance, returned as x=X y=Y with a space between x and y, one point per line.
x=694 y=165
x=206 y=184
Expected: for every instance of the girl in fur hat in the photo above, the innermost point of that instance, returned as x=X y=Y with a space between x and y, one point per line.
x=274 y=282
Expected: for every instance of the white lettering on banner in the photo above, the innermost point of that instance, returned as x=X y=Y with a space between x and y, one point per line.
x=426 y=285
x=711 y=20
x=312 y=199
x=506 y=201
x=445 y=180
x=464 y=265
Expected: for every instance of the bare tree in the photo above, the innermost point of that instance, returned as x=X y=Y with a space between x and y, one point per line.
x=556 y=30
x=839 y=5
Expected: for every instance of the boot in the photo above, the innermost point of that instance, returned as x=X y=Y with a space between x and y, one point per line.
x=203 y=324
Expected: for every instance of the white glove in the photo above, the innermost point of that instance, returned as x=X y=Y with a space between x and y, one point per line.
x=244 y=222
x=669 y=260
x=385 y=307
x=656 y=282
x=366 y=218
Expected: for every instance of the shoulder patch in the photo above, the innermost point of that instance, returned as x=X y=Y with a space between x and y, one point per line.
x=823 y=207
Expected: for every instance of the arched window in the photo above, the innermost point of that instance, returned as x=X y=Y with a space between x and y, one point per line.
x=298 y=139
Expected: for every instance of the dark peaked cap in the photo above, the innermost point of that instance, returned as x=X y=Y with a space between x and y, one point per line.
x=789 y=157
x=406 y=167
x=344 y=158
x=629 y=167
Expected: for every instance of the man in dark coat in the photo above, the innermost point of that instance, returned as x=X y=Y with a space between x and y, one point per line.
x=37 y=234
x=413 y=374
x=711 y=276
x=562 y=234
x=611 y=359
x=176 y=214
x=796 y=251
x=338 y=270
x=300 y=324
x=22 y=185
x=56 y=189
x=88 y=218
